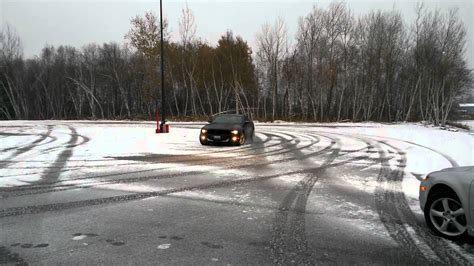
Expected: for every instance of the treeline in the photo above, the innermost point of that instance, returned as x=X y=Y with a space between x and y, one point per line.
x=368 y=68
x=337 y=67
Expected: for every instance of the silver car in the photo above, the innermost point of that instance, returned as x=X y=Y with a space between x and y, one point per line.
x=447 y=200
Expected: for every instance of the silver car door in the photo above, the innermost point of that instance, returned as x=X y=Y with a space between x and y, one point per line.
x=471 y=202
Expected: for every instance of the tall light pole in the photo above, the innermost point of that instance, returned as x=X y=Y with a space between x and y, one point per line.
x=163 y=113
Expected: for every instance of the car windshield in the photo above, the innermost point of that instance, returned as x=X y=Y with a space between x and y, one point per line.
x=228 y=119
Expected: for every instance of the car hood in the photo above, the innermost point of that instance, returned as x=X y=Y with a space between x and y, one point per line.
x=459 y=169
x=223 y=126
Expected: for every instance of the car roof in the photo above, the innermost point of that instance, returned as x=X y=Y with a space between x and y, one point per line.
x=229 y=115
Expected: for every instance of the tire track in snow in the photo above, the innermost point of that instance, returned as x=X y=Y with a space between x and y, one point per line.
x=98 y=183
x=222 y=162
x=388 y=212
x=431 y=246
x=386 y=202
x=63 y=187
x=397 y=216
x=15 y=211
x=62 y=158
x=182 y=159
x=26 y=148
x=145 y=159
x=86 y=139
x=405 y=217
x=289 y=243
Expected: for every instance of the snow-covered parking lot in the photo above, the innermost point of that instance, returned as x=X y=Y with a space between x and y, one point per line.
x=299 y=193
x=35 y=145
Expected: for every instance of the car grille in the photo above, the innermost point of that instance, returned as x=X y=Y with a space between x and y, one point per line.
x=218 y=135
x=218 y=132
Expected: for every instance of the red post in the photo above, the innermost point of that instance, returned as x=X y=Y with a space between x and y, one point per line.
x=157 y=122
x=161 y=128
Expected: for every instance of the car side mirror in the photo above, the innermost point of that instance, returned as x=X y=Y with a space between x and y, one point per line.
x=247 y=122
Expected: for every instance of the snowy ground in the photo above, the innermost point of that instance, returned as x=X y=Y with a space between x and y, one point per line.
x=359 y=168
x=33 y=150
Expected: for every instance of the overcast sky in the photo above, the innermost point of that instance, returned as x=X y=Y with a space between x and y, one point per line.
x=79 y=22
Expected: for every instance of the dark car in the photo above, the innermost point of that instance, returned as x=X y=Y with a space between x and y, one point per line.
x=234 y=129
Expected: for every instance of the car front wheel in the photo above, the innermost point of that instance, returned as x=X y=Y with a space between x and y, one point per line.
x=446 y=216
x=251 y=136
x=242 y=139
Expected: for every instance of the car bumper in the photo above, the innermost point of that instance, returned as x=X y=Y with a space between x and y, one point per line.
x=220 y=138
x=217 y=141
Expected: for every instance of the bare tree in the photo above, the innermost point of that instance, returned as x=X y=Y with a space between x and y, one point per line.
x=187 y=31
x=272 y=43
x=310 y=30
x=11 y=52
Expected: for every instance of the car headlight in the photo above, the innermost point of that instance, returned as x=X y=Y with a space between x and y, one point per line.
x=235 y=132
x=423 y=184
x=426 y=177
x=203 y=131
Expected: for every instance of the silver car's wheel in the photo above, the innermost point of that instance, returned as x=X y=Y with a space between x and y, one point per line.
x=448 y=216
